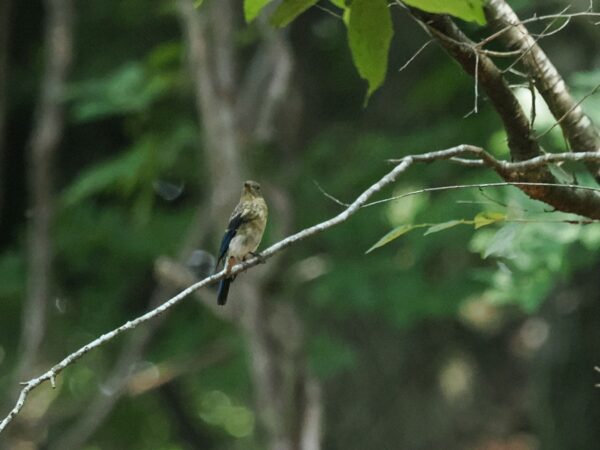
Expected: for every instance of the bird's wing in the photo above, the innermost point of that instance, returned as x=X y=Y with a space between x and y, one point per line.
x=237 y=218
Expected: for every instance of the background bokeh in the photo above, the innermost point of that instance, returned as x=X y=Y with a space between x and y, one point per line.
x=461 y=339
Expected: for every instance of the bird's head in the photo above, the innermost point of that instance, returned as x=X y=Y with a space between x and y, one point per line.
x=251 y=189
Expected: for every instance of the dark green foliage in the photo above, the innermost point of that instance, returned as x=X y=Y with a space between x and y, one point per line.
x=380 y=328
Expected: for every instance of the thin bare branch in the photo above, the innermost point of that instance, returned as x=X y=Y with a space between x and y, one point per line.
x=73 y=357
x=565 y=115
x=578 y=129
x=417 y=53
x=533 y=43
x=498 y=54
x=356 y=205
x=329 y=196
x=489 y=78
x=487 y=159
x=562 y=15
x=454 y=187
x=330 y=12
x=475 y=86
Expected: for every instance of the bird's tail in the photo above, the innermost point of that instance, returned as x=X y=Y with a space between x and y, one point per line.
x=223 y=291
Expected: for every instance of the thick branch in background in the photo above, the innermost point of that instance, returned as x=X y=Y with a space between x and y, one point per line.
x=51 y=374
x=283 y=387
x=578 y=129
x=5 y=12
x=522 y=143
x=212 y=66
x=215 y=83
x=224 y=171
x=44 y=142
x=45 y=138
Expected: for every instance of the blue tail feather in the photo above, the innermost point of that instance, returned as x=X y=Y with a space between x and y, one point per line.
x=223 y=290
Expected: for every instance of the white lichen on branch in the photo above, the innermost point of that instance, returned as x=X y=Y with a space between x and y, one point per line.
x=401 y=166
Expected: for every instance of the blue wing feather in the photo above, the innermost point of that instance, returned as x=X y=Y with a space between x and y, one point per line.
x=230 y=233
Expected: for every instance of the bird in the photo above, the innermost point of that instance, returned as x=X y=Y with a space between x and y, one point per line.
x=243 y=234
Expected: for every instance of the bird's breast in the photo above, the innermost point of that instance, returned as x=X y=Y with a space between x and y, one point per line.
x=246 y=240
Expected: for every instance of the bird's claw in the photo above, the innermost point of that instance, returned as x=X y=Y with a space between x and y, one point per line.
x=260 y=257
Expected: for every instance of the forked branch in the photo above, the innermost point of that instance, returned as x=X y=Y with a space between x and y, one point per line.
x=483 y=158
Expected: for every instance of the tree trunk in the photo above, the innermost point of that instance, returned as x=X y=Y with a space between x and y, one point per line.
x=44 y=141
x=288 y=402
x=45 y=137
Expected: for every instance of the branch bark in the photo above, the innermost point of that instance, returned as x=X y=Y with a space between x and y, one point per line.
x=209 y=37
x=352 y=209
x=51 y=374
x=100 y=406
x=522 y=143
x=279 y=373
x=578 y=129
x=214 y=80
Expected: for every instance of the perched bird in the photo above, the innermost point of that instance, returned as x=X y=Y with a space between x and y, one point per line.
x=244 y=233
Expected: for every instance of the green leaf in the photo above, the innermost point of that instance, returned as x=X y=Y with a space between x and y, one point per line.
x=198 y=3
x=443 y=226
x=129 y=89
x=394 y=234
x=369 y=34
x=252 y=8
x=288 y=10
x=502 y=244
x=486 y=218
x=117 y=174
x=469 y=10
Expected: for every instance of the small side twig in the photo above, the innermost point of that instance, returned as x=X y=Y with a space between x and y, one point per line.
x=360 y=202
x=387 y=179
x=417 y=53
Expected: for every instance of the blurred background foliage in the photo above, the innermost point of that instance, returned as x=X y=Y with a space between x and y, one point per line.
x=461 y=339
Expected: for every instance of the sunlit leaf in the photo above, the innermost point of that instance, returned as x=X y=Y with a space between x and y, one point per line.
x=394 y=234
x=487 y=218
x=252 y=8
x=469 y=10
x=288 y=10
x=369 y=35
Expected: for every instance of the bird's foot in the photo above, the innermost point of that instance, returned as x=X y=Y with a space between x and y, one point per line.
x=260 y=257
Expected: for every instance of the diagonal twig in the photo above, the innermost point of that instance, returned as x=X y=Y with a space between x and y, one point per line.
x=51 y=374
x=352 y=208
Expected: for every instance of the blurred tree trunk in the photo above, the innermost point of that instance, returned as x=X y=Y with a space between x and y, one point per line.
x=288 y=402
x=45 y=138
x=5 y=13
x=217 y=87
x=44 y=141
